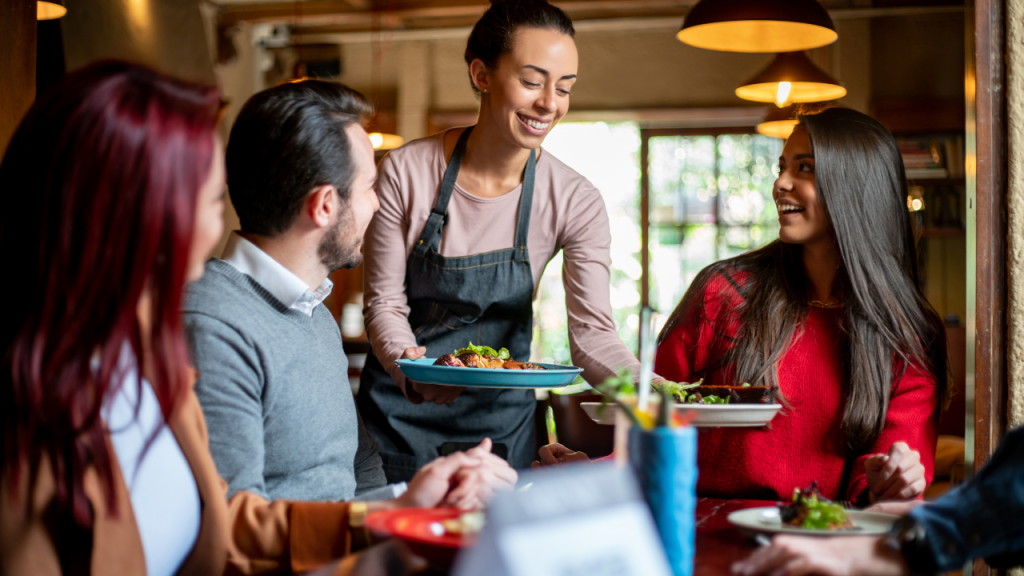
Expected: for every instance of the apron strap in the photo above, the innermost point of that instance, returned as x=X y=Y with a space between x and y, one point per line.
x=431 y=235
x=526 y=203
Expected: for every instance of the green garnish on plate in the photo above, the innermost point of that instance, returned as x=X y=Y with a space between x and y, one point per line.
x=502 y=354
x=812 y=511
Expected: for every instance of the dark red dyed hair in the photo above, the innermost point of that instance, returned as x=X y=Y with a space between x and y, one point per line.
x=99 y=188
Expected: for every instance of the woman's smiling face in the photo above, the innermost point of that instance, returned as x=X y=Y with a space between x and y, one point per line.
x=802 y=220
x=528 y=91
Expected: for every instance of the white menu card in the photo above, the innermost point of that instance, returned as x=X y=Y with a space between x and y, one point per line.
x=574 y=520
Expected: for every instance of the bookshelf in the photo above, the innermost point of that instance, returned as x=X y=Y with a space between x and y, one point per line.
x=936 y=193
x=930 y=135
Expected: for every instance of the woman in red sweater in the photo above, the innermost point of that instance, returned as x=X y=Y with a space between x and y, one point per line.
x=833 y=315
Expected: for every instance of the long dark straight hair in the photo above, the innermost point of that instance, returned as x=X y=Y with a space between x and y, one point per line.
x=99 y=186
x=888 y=323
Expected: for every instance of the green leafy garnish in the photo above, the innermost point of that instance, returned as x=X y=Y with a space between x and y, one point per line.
x=484 y=351
x=715 y=400
x=820 y=514
x=677 y=390
x=620 y=385
x=615 y=387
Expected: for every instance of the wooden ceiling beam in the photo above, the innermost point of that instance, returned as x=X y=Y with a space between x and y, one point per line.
x=361 y=23
x=344 y=12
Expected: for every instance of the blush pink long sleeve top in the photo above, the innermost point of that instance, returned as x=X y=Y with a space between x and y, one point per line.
x=568 y=214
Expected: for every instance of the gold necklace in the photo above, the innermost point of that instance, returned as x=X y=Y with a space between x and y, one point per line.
x=820 y=304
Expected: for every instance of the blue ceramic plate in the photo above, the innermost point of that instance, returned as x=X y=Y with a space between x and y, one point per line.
x=423 y=370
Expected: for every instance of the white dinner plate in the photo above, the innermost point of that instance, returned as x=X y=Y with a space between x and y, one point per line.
x=752 y=521
x=705 y=415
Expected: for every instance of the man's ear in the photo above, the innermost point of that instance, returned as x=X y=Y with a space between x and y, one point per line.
x=321 y=206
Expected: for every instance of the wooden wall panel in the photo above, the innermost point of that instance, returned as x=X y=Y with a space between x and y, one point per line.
x=17 y=64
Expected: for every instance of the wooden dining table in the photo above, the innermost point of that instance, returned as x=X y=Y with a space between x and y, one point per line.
x=718 y=543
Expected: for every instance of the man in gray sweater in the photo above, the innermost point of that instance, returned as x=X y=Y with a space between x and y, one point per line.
x=273 y=379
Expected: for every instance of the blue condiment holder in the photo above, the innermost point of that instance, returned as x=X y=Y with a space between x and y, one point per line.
x=665 y=462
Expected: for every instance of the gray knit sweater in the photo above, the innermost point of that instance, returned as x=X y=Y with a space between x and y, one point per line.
x=273 y=384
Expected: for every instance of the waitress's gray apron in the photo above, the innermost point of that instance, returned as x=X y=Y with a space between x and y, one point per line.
x=483 y=298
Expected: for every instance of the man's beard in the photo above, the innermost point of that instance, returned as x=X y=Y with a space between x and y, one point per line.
x=335 y=253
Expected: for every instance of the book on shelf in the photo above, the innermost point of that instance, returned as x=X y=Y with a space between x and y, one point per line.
x=927 y=173
x=932 y=157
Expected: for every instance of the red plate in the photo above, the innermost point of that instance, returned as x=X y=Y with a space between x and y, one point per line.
x=414 y=527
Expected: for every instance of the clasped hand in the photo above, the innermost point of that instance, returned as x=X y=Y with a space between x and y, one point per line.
x=896 y=475
x=465 y=480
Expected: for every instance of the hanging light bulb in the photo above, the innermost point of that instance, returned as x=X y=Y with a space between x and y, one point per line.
x=50 y=10
x=782 y=95
x=385 y=141
x=779 y=123
x=791 y=78
x=758 y=25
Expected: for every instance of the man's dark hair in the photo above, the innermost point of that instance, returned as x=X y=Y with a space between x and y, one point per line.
x=286 y=141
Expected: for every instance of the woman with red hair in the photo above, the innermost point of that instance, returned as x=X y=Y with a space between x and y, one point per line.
x=113 y=199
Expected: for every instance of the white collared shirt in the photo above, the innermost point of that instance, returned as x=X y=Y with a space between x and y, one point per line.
x=284 y=285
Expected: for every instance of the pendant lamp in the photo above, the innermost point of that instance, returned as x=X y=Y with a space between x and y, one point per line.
x=385 y=141
x=50 y=10
x=758 y=25
x=779 y=123
x=791 y=78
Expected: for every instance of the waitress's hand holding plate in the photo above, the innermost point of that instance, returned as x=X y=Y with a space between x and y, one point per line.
x=417 y=393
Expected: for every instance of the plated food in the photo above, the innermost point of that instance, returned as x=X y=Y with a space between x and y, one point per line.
x=422 y=530
x=484 y=357
x=429 y=371
x=809 y=509
x=698 y=393
x=699 y=415
x=766 y=520
x=811 y=514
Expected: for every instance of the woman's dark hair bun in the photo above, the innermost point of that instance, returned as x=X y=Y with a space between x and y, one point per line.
x=492 y=35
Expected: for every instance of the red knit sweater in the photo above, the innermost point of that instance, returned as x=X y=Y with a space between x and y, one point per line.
x=804 y=442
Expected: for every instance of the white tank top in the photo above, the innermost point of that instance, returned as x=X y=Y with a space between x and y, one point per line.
x=163 y=491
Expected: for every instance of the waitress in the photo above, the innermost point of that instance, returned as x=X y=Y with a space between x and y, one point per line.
x=468 y=220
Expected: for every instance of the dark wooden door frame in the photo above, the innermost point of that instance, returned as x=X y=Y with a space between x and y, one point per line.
x=985 y=83
x=986 y=193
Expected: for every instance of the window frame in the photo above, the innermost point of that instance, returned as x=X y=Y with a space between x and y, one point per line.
x=645 y=204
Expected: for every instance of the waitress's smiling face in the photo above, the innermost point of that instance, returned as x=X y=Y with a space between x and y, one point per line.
x=528 y=92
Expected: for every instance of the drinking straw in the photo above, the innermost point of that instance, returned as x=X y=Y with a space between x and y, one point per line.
x=646 y=359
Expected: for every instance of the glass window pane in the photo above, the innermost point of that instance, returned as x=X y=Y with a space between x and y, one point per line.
x=711 y=199
x=745 y=178
x=609 y=156
x=682 y=179
x=677 y=255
